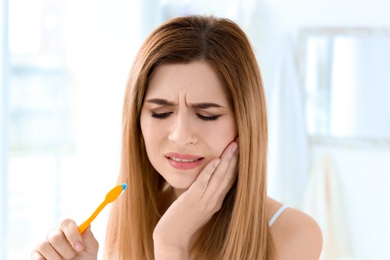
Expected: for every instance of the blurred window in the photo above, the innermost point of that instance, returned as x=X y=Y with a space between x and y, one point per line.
x=67 y=64
x=39 y=120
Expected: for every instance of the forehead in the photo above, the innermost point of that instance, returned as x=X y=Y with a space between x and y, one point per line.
x=196 y=81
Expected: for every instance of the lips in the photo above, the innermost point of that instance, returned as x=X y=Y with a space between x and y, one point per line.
x=183 y=161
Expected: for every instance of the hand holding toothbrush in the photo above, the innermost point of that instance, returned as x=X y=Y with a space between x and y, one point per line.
x=66 y=242
x=71 y=241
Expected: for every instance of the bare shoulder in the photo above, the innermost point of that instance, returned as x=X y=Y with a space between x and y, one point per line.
x=296 y=235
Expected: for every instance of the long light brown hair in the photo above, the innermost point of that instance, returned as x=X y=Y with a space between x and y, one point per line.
x=240 y=229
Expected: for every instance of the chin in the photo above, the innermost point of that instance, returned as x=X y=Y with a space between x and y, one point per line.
x=180 y=184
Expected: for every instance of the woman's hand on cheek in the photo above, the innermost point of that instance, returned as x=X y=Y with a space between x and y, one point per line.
x=195 y=207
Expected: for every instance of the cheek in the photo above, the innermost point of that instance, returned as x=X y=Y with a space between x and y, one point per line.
x=153 y=131
x=221 y=136
x=144 y=127
x=147 y=131
x=150 y=141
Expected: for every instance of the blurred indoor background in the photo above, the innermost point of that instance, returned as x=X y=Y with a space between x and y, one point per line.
x=326 y=70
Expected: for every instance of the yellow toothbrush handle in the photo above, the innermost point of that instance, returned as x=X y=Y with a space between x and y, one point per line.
x=110 y=197
x=86 y=223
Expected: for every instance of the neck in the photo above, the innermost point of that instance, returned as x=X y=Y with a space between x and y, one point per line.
x=168 y=196
x=177 y=192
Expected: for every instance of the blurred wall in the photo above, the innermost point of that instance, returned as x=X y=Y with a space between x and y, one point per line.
x=363 y=170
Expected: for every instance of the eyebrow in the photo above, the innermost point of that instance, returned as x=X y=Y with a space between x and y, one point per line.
x=160 y=101
x=164 y=102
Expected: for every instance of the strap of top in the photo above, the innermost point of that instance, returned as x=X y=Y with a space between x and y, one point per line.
x=277 y=214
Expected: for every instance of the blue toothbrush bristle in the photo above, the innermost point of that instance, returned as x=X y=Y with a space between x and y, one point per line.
x=124 y=186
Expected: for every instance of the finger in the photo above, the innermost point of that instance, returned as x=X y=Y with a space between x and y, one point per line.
x=232 y=170
x=72 y=234
x=91 y=245
x=201 y=183
x=225 y=172
x=37 y=256
x=222 y=179
x=46 y=250
x=59 y=242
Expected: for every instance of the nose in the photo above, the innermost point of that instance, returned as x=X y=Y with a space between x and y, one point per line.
x=182 y=132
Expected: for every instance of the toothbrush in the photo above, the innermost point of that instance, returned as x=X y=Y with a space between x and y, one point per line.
x=110 y=197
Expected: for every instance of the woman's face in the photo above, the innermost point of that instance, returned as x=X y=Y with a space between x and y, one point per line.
x=186 y=121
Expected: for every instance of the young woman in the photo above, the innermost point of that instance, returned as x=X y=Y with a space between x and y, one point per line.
x=194 y=157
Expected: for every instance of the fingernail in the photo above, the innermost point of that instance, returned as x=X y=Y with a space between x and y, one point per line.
x=78 y=246
x=234 y=147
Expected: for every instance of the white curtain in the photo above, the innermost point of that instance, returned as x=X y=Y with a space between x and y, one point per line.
x=324 y=202
x=288 y=151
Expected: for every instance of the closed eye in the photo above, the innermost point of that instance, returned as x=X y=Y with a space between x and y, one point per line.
x=161 y=115
x=208 y=118
x=165 y=115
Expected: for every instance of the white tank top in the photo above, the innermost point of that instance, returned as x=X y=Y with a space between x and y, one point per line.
x=277 y=214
